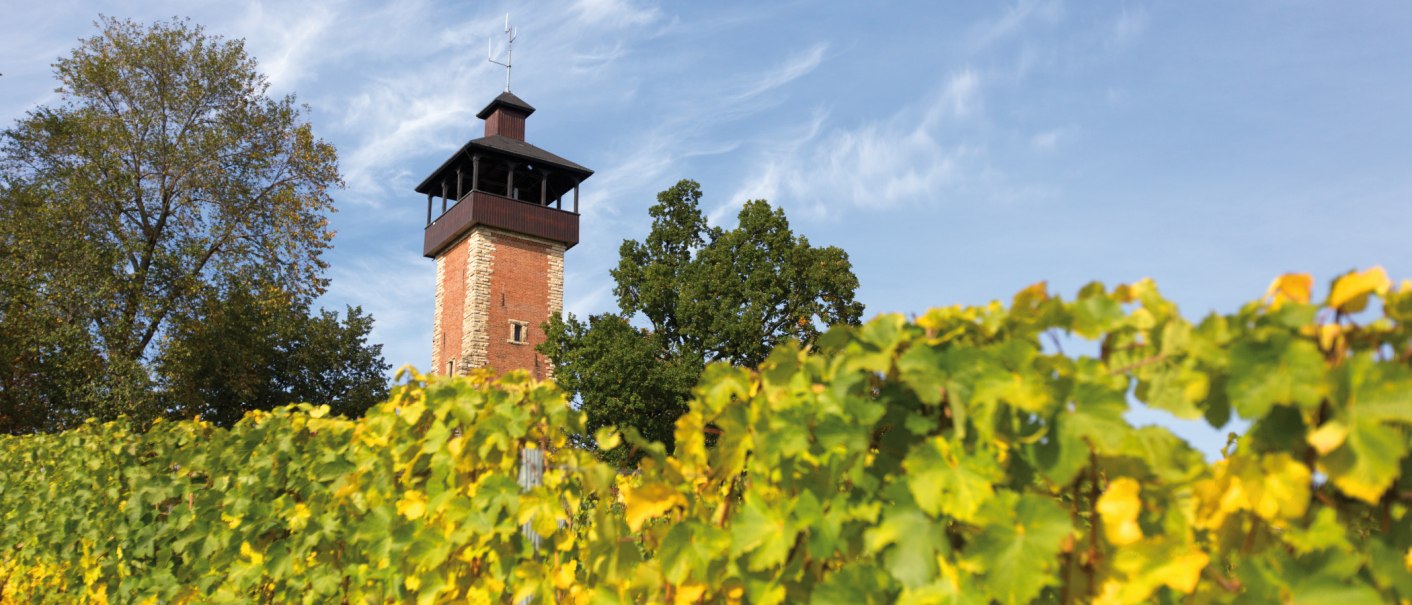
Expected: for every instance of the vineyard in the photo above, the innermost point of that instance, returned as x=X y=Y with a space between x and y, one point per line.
x=958 y=457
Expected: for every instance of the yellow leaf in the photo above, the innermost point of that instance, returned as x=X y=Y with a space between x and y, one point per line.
x=1284 y=484
x=649 y=501
x=1350 y=292
x=1328 y=437
x=412 y=505
x=1033 y=294
x=1181 y=573
x=608 y=438
x=412 y=583
x=98 y=595
x=1328 y=335
x=299 y=518
x=564 y=576
x=1274 y=487
x=1294 y=287
x=689 y=593
x=246 y=551
x=1119 y=507
x=1139 y=571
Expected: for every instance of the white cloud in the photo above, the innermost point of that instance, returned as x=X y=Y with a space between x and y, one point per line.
x=288 y=44
x=1046 y=141
x=1128 y=25
x=1014 y=20
x=619 y=12
x=792 y=69
x=896 y=160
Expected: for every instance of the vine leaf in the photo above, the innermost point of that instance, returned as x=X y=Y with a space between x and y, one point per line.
x=943 y=478
x=1019 y=558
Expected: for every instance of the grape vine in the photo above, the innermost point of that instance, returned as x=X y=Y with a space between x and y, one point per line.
x=957 y=457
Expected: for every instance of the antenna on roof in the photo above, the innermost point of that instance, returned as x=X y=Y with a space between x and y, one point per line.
x=510 y=34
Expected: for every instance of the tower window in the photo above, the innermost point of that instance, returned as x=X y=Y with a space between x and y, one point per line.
x=519 y=332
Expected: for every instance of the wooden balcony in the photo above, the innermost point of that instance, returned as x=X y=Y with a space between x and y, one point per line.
x=490 y=210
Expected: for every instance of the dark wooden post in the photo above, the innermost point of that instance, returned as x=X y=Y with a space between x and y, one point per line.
x=458 y=184
x=443 y=196
x=475 y=172
x=428 y=208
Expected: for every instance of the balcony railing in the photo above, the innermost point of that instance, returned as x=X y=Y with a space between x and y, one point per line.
x=490 y=210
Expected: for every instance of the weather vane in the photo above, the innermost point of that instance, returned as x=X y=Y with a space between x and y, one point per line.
x=509 y=51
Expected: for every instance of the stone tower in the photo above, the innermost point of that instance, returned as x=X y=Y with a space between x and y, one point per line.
x=499 y=242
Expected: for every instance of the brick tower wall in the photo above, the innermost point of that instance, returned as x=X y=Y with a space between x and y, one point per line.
x=488 y=280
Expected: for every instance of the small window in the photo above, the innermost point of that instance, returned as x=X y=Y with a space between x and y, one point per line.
x=451 y=368
x=519 y=332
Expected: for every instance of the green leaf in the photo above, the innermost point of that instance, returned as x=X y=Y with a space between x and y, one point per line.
x=1020 y=558
x=1176 y=388
x=1367 y=463
x=1091 y=421
x=910 y=543
x=1324 y=590
x=1281 y=371
x=763 y=531
x=688 y=550
x=1324 y=532
x=1095 y=314
x=944 y=478
x=857 y=583
x=1381 y=391
x=921 y=370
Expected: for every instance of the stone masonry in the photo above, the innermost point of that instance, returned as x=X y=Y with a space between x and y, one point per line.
x=493 y=280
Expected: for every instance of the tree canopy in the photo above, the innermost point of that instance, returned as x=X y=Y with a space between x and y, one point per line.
x=163 y=179
x=706 y=294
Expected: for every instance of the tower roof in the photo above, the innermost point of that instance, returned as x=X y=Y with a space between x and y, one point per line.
x=505 y=146
x=506 y=99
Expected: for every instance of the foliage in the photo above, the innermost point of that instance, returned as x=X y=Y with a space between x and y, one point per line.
x=623 y=375
x=163 y=173
x=957 y=458
x=416 y=499
x=708 y=295
x=250 y=352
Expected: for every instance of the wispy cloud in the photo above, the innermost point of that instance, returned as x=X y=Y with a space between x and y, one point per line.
x=789 y=71
x=899 y=159
x=1128 y=25
x=289 y=42
x=1046 y=141
x=1011 y=22
x=620 y=12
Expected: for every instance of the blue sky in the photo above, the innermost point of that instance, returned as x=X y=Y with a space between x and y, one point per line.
x=958 y=151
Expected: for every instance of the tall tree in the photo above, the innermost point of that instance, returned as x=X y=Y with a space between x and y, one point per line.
x=254 y=350
x=163 y=173
x=707 y=294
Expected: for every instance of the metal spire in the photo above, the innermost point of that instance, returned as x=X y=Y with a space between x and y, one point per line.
x=510 y=34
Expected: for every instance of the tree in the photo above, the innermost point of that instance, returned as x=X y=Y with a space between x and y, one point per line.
x=163 y=175
x=249 y=352
x=707 y=295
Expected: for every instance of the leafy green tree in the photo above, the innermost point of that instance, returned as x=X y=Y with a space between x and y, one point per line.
x=250 y=351
x=163 y=171
x=707 y=294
